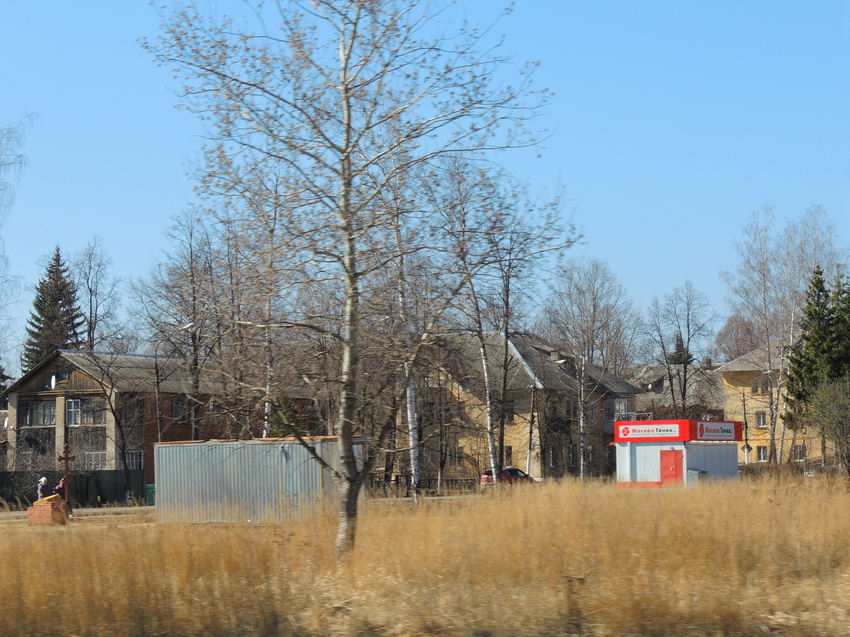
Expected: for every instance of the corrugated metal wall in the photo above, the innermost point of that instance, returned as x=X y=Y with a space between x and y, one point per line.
x=717 y=459
x=242 y=481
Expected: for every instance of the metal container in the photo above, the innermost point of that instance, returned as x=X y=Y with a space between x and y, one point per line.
x=267 y=480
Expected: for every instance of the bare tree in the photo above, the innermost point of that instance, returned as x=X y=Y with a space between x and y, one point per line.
x=589 y=317
x=327 y=91
x=98 y=294
x=12 y=162
x=768 y=290
x=678 y=330
x=177 y=303
x=588 y=313
x=736 y=338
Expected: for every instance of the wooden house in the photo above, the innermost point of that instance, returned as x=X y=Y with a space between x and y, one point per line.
x=108 y=408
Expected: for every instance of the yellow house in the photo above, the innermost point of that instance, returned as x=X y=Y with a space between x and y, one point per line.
x=754 y=393
x=559 y=410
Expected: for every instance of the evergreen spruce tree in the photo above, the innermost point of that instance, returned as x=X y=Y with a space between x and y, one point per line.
x=56 y=319
x=811 y=364
x=680 y=354
x=839 y=346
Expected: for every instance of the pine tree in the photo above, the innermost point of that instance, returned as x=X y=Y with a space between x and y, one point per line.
x=56 y=320
x=811 y=364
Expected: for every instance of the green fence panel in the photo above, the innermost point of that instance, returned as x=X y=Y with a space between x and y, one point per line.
x=88 y=488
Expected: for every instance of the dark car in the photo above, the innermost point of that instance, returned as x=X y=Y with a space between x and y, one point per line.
x=510 y=475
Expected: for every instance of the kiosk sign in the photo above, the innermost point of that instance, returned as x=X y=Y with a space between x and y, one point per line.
x=635 y=431
x=710 y=430
x=677 y=430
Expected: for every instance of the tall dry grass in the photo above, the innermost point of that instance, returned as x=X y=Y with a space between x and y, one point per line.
x=562 y=559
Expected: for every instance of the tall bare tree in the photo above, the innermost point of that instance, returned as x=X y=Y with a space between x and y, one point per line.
x=98 y=294
x=12 y=162
x=178 y=300
x=768 y=289
x=678 y=330
x=589 y=314
x=326 y=91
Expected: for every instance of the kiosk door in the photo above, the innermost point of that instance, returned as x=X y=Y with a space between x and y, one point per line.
x=671 y=467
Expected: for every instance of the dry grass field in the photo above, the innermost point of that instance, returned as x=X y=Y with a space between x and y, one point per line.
x=743 y=558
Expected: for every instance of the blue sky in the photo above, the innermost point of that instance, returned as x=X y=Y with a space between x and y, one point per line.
x=671 y=122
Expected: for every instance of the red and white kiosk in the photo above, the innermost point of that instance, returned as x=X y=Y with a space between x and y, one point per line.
x=667 y=453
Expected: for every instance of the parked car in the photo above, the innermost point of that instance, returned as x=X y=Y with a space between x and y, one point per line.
x=510 y=475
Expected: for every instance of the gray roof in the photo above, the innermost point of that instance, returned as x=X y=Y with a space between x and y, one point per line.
x=124 y=372
x=532 y=361
x=758 y=360
x=134 y=372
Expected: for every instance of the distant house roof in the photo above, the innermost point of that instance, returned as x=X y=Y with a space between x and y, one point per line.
x=122 y=372
x=705 y=386
x=760 y=359
x=531 y=362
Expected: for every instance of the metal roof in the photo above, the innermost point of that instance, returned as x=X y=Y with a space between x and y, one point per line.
x=531 y=361
x=125 y=372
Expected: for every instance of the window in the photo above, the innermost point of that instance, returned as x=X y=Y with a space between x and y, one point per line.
x=761 y=419
x=72 y=411
x=180 y=412
x=798 y=453
x=553 y=456
x=509 y=455
x=84 y=411
x=40 y=413
x=136 y=459
x=573 y=459
x=761 y=453
x=760 y=385
x=94 y=460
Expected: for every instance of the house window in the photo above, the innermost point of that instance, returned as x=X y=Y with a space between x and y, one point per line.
x=83 y=411
x=798 y=453
x=761 y=453
x=509 y=455
x=180 y=413
x=761 y=419
x=553 y=456
x=94 y=460
x=760 y=385
x=136 y=459
x=509 y=411
x=40 y=413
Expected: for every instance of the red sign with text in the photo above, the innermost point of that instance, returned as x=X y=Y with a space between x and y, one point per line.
x=677 y=430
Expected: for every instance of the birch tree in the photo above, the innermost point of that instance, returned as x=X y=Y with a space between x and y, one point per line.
x=326 y=91
x=768 y=289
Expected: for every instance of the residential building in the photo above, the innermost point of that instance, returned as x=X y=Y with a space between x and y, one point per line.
x=661 y=396
x=555 y=405
x=108 y=408
x=754 y=393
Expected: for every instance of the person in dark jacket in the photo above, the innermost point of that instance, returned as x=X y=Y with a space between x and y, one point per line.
x=60 y=489
x=42 y=489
